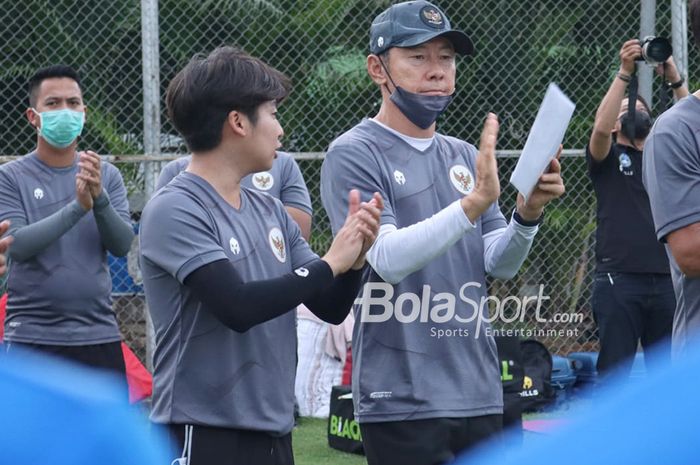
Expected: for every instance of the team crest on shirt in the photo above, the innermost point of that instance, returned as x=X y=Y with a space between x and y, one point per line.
x=625 y=164
x=234 y=246
x=38 y=193
x=462 y=179
x=399 y=178
x=276 y=240
x=263 y=181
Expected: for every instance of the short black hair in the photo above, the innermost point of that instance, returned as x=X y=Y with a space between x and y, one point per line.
x=50 y=72
x=200 y=97
x=695 y=20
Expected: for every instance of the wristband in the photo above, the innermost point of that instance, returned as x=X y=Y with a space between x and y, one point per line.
x=675 y=85
x=523 y=222
x=624 y=77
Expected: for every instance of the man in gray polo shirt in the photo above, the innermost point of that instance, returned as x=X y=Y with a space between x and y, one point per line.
x=67 y=210
x=421 y=398
x=671 y=175
x=224 y=266
x=283 y=181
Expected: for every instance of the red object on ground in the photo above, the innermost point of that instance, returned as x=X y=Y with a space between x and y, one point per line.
x=137 y=376
x=347 y=369
x=3 y=307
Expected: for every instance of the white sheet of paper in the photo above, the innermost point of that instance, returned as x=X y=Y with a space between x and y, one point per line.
x=542 y=144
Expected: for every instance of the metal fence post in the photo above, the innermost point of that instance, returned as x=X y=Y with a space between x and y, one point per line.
x=151 y=119
x=647 y=27
x=679 y=33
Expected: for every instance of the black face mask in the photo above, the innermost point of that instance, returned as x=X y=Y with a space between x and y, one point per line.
x=641 y=124
x=421 y=110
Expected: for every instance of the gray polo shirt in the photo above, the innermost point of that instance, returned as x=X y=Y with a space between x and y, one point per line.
x=671 y=174
x=283 y=181
x=402 y=370
x=61 y=296
x=204 y=372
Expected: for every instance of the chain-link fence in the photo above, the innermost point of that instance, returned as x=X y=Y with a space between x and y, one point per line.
x=322 y=45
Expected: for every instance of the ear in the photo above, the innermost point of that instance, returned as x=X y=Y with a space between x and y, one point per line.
x=376 y=70
x=239 y=123
x=33 y=118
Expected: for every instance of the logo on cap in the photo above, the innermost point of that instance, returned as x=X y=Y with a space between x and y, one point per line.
x=380 y=42
x=432 y=17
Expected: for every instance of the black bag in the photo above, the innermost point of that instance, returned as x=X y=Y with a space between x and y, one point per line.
x=343 y=431
x=512 y=374
x=537 y=391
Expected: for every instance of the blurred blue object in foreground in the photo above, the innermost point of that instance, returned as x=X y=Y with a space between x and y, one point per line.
x=644 y=421
x=60 y=414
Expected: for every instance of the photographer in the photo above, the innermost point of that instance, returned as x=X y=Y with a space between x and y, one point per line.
x=633 y=295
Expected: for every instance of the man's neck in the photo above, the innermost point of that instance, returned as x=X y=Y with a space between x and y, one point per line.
x=638 y=144
x=391 y=116
x=218 y=169
x=55 y=157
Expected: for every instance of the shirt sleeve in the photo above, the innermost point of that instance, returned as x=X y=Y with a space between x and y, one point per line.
x=11 y=206
x=293 y=192
x=347 y=168
x=671 y=176
x=178 y=235
x=169 y=171
x=595 y=166
x=299 y=249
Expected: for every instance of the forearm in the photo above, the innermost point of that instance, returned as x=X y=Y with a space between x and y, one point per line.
x=115 y=233
x=31 y=239
x=506 y=250
x=399 y=252
x=240 y=306
x=334 y=303
x=609 y=108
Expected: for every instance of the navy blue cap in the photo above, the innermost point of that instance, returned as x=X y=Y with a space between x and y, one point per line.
x=413 y=23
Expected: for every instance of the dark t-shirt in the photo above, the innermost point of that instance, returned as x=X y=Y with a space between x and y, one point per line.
x=625 y=239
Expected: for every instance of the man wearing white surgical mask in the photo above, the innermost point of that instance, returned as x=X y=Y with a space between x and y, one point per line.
x=67 y=209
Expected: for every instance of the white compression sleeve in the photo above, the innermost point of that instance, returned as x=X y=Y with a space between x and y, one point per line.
x=505 y=249
x=399 y=252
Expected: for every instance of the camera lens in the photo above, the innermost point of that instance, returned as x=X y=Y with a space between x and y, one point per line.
x=656 y=50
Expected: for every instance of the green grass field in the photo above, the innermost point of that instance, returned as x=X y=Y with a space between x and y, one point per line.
x=310 y=441
x=310 y=438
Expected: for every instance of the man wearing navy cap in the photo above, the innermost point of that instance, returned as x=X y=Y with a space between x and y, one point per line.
x=420 y=398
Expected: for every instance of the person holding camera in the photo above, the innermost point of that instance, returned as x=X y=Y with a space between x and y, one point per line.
x=672 y=180
x=633 y=295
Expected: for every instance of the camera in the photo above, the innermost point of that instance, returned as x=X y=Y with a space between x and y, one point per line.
x=656 y=50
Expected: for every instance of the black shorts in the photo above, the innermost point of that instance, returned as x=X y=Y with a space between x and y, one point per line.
x=433 y=441
x=108 y=356
x=207 y=445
